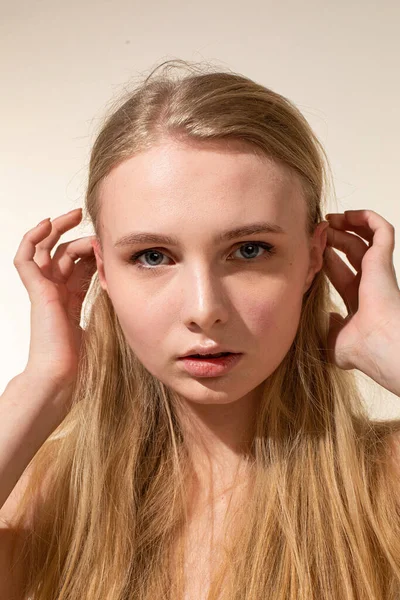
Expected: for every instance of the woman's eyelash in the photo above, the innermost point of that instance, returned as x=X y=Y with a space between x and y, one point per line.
x=268 y=247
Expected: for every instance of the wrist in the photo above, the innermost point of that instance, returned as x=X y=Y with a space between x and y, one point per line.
x=54 y=385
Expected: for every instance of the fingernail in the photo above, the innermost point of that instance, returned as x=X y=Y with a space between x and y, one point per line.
x=42 y=222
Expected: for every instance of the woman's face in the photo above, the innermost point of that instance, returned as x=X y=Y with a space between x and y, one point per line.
x=201 y=290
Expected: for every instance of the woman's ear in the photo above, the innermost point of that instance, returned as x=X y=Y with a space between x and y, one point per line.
x=317 y=248
x=100 y=263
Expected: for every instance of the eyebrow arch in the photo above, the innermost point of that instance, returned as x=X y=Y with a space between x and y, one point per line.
x=142 y=237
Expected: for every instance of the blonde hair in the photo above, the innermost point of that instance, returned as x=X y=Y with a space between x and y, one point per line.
x=322 y=519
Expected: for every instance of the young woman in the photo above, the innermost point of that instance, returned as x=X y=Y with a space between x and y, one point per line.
x=131 y=472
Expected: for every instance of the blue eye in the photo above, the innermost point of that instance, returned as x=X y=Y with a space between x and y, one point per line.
x=153 y=252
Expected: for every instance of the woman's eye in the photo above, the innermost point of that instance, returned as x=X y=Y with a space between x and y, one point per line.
x=249 y=254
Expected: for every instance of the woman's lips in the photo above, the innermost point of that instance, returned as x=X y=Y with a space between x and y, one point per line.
x=210 y=367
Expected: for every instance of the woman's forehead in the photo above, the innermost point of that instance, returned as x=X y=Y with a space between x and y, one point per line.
x=165 y=166
x=166 y=181
x=177 y=186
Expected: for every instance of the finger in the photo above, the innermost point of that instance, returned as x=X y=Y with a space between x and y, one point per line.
x=378 y=229
x=339 y=221
x=338 y=357
x=383 y=242
x=66 y=255
x=29 y=272
x=343 y=279
x=58 y=227
x=380 y=255
x=352 y=245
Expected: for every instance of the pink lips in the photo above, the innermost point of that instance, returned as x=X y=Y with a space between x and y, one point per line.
x=210 y=367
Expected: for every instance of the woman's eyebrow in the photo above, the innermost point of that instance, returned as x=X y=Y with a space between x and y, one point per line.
x=143 y=237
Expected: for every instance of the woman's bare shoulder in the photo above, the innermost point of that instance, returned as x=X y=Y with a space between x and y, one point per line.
x=394 y=450
x=12 y=569
x=9 y=508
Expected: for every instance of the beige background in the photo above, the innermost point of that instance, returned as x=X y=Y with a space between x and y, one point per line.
x=63 y=63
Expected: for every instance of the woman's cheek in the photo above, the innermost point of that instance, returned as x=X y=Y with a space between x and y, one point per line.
x=274 y=320
x=142 y=322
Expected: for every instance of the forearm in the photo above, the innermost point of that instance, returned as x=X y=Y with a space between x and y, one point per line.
x=27 y=419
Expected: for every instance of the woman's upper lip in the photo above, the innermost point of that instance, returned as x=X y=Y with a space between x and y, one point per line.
x=208 y=350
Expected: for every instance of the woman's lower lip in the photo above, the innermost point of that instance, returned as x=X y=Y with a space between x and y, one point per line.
x=210 y=367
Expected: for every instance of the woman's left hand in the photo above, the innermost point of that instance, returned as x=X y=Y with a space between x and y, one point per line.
x=368 y=339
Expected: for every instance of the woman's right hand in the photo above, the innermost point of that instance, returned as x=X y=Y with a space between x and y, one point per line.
x=57 y=287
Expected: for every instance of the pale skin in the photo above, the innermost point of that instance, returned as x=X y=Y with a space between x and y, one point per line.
x=200 y=290
x=209 y=291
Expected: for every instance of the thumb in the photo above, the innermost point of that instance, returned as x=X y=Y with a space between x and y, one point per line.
x=336 y=324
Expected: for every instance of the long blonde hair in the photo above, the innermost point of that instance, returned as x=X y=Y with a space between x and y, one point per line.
x=322 y=519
